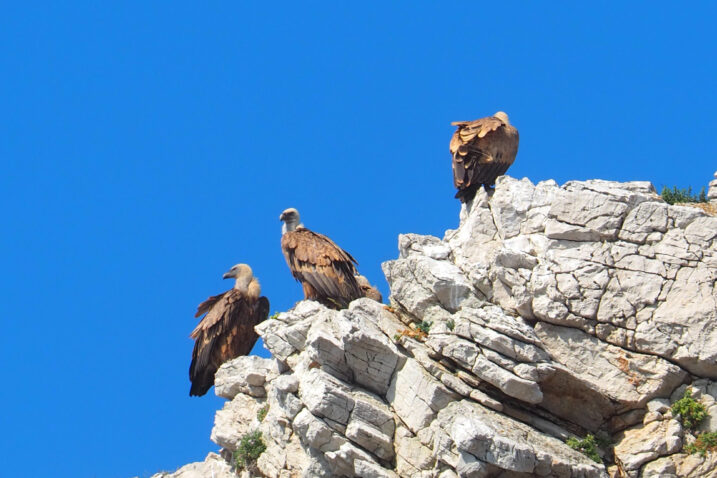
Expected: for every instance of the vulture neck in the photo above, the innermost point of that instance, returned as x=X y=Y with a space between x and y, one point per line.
x=248 y=286
x=290 y=226
x=254 y=289
x=243 y=283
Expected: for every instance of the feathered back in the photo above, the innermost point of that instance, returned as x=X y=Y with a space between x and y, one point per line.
x=325 y=271
x=225 y=332
x=482 y=150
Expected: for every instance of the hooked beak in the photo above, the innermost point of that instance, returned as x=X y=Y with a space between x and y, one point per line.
x=281 y=217
x=228 y=275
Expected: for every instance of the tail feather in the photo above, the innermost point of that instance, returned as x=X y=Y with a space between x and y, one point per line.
x=202 y=383
x=201 y=372
x=200 y=388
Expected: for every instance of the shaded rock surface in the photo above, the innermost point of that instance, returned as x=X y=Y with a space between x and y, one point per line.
x=554 y=312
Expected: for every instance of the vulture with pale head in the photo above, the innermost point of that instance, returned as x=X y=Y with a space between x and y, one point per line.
x=227 y=329
x=482 y=150
x=369 y=290
x=326 y=272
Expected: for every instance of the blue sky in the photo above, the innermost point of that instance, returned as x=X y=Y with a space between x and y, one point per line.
x=146 y=149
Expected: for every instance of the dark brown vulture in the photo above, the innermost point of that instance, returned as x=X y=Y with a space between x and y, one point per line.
x=326 y=272
x=227 y=331
x=482 y=150
x=368 y=290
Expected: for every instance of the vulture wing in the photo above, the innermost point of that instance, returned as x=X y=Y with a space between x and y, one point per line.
x=324 y=269
x=482 y=150
x=204 y=307
x=226 y=332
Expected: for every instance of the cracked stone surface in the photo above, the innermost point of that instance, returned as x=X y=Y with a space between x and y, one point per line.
x=555 y=311
x=611 y=259
x=213 y=466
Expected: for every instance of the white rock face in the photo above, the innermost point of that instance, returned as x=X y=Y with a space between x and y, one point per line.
x=554 y=312
x=244 y=375
x=213 y=466
x=712 y=193
x=611 y=259
x=641 y=445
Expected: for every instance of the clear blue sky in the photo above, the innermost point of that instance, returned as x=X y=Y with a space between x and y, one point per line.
x=146 y=147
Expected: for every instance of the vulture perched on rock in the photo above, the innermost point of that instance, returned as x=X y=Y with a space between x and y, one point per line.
x=369 y=291
x=227 y=329
x=482 y=150
x=326 y=272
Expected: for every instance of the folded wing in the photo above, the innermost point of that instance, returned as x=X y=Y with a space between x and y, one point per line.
x=482 y=150
x=225 y=332
x=325 y=271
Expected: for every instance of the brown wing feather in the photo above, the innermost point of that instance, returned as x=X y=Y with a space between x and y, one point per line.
x=325 y=270
x=208 y=304
x=482 y=150
x=226 y=332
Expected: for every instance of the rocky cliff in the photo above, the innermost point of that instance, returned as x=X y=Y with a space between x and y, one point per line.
x=551 y=313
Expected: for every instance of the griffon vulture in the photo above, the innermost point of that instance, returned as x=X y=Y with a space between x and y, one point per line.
x=227 y=331
x=326 y=272
x=482 y=150
x=368 y=290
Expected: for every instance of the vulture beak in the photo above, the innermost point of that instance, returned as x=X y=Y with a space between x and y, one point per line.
x=228 y=275
x=281 y=217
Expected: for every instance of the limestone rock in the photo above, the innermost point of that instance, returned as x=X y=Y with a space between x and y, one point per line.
x=214 y=466
x=326 y=397
x=237 y=418
x=550 y=312
x=245 y=375
x=643 y=444
x=510 y=445
x=606 y=261
x=416 y=396
x=712 y=192
x=630 y=379
x=682 y=466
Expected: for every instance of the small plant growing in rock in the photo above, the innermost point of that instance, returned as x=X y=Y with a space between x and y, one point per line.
x=587 y=446
x=451 y=324
x=705 y=442
x=690 y=410
x=261 y=414
x=424 y=326
x=274 y=316
x=250 y=448
x=417 y=334
x=674 y=195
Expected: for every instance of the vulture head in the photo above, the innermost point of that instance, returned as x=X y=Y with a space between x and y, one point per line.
x=242 y=273
x=503 y=116
x=369 y=291
x=291 y=219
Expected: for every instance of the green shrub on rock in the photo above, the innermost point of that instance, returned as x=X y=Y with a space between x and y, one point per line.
x=250 y=448
x=690 y=410
x=587 y=446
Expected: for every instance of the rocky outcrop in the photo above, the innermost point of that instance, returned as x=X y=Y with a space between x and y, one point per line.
x=712 y=192
x=550 y=313
x=213 y=466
